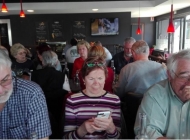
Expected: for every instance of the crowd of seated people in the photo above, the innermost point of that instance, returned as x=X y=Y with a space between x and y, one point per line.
x=74 y=115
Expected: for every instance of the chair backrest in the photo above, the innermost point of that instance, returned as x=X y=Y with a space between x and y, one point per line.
x=129 y=108
x=124 y=132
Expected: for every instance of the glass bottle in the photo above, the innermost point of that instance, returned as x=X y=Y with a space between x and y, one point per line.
x=113 y=68
x=77 y=81
x=142 y=132
x=66 y=70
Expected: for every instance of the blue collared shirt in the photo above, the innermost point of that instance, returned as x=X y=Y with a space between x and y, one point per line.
x=25 y=112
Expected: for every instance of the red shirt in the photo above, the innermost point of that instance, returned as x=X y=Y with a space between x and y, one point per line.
x=78 y=63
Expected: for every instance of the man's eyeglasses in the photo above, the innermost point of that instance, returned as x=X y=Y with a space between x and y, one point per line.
x=6 y=82
x=95 y=64
x=183 y=78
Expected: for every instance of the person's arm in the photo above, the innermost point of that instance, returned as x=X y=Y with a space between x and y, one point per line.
x=119 y=88
x=38 y=117
x=70 y=126
x=156 y=115
x=112 y=125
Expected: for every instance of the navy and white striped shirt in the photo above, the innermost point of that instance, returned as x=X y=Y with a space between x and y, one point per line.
x=25 y=112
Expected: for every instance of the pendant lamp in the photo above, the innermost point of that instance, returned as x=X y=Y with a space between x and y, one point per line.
x=138 y=31
x=4 y=8
x=22 y=14
x=171 y=28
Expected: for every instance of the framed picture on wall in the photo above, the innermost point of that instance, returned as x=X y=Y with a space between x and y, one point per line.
x=134 y=27
x=79 y=29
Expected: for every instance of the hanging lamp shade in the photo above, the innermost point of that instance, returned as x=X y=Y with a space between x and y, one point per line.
x=22 y=14
x=4 y=8
x=138 y=31
x=171 y=27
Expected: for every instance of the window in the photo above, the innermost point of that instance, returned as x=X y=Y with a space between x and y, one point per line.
x=162 y=35
x=187 y=33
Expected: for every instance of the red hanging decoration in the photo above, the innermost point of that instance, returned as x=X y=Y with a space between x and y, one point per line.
x=22 y=14
x=4 y=8
x=171 y=28
x=138 y=31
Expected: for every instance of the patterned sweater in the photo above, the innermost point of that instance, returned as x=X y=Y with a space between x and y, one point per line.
x=80 y=107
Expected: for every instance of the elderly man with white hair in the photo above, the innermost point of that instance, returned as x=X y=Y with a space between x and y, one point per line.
x=23 y=109
x=138 y=76
x=167 y=103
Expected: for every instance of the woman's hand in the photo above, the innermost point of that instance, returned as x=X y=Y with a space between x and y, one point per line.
x=104 y=124
x=85 y=128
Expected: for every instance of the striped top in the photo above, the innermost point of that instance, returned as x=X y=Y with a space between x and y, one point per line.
x=80 y=107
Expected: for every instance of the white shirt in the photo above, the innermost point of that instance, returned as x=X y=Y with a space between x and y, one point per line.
x=71 y=54
x=108 y=55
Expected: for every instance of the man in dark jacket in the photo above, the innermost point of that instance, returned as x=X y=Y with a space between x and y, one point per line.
x=124 y=57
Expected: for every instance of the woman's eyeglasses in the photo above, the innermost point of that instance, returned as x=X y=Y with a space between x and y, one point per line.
x=93 y=64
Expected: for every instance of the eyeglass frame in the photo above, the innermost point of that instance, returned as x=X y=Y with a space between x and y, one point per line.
x=4 y=81
x=187 y=78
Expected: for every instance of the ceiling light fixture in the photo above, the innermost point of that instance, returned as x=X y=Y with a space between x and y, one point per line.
x=95 y=9
x=138 y=31
x=22 y=14
x=4 y=8
x=171 y=28
x=30 y=11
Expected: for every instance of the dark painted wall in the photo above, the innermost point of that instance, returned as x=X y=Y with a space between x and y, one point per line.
x=149 y=30
x=23 y=29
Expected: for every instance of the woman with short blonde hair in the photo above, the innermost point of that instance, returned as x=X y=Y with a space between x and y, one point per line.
x=82 y=48
x=21 y=63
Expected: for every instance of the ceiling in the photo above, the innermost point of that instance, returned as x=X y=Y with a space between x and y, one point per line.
x=148 y=8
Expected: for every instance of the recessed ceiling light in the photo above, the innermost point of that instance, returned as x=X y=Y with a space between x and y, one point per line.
x=30 y=10
x=94 y=9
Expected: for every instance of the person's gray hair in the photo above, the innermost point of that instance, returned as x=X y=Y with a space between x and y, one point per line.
x=129 y=40
x=4 y=49
x=49 y=58
x=4 y=59
x=140 y=47
x=15 y=48
x=173 y=60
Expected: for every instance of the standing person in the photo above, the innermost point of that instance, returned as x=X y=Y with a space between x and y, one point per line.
x=72 y=53
x=108 y=54
x=82 y=49
x=23 y=109
x=21 y=63
x=124 y=57
x=167 y=103
x=138 y=76
x=82 y=108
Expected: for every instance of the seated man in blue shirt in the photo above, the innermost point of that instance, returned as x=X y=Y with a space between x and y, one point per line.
x=23 y=109
x=138 y=76
x=167 y=103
